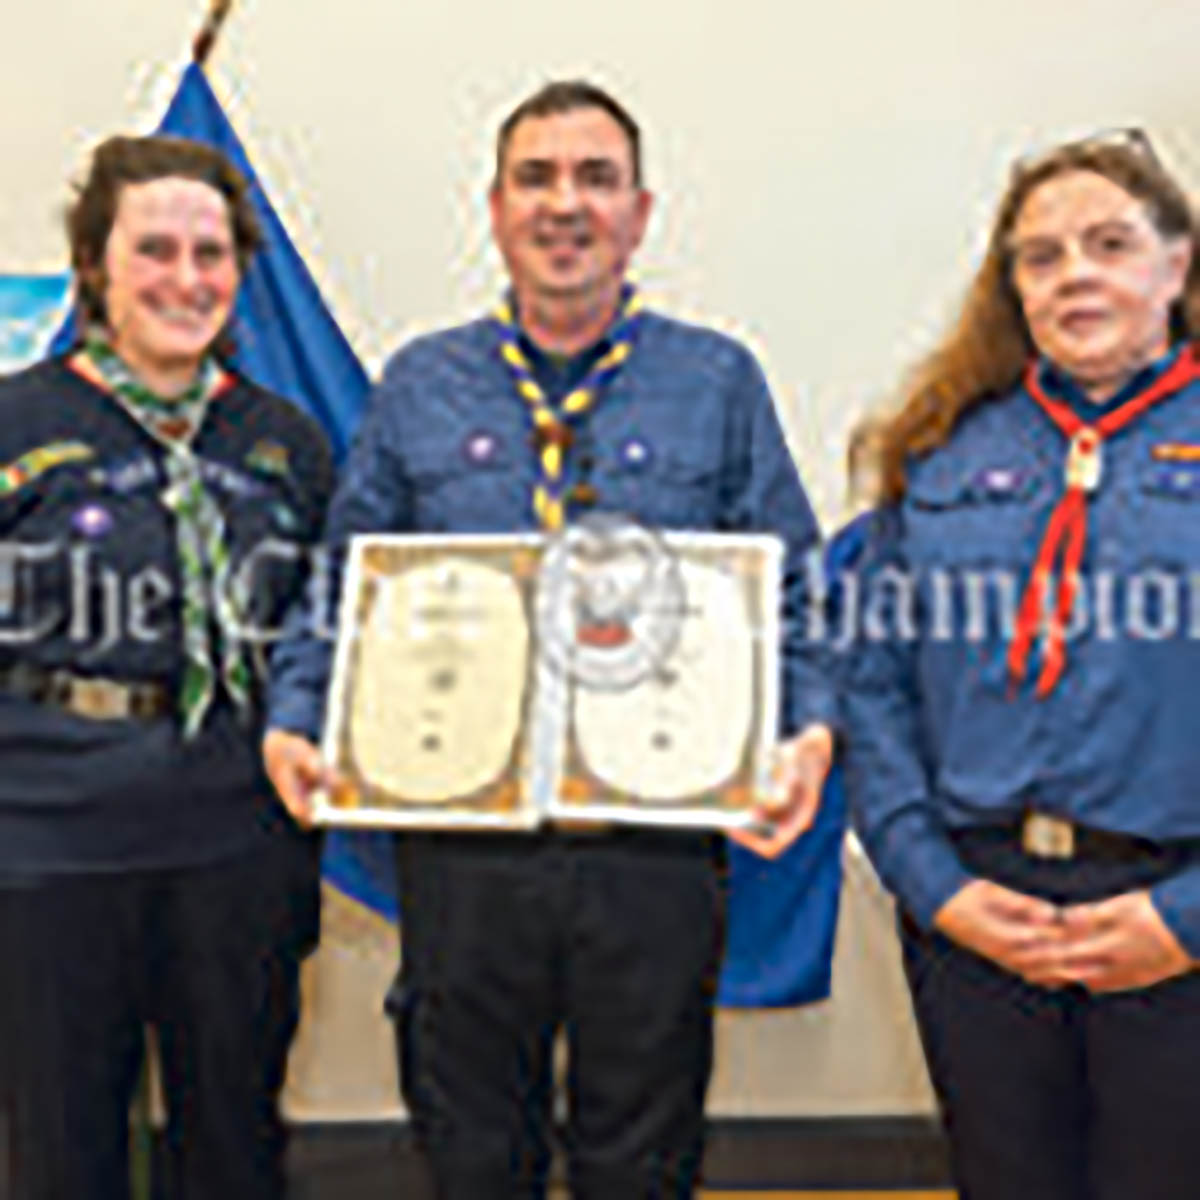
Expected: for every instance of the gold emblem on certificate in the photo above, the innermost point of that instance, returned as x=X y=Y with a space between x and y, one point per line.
x=610 y=673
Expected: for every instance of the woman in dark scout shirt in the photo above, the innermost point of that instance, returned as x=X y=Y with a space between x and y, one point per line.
x=155 y=507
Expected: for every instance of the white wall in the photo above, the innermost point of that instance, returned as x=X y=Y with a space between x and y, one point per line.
x=824 y=175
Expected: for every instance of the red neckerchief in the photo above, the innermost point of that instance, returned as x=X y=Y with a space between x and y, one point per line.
x=1067 y=526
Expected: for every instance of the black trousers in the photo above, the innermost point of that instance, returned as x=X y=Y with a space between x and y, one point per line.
x=616 y=938
x=209 y=957
x=22 y=1044
x=1060 y=1095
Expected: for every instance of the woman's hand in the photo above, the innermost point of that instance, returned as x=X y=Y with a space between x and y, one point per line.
x=1121 y=943
x=1023 y=934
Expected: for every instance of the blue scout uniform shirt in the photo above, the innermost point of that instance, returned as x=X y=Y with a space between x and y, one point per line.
x=685 y=437
x=89 y=584
x=938 y=737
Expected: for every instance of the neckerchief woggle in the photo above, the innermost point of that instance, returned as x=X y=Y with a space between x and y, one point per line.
x=1066 y=529
x=553 y=427
x=208 y=616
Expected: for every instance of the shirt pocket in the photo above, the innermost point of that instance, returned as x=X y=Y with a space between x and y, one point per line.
x=1166 y=525
x=976 y=516
x=480 y=483
x=669 y=486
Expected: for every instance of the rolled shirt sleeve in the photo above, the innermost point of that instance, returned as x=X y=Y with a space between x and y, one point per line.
x=1178 y=902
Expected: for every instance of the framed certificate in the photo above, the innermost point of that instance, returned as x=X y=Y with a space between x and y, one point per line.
x=432 y=686
x=607 y=674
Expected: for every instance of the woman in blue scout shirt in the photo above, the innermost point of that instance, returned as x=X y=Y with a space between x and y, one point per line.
x=154 y=508
x=1022 y=730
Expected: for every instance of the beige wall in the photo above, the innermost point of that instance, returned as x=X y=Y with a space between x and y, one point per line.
x=823 y=174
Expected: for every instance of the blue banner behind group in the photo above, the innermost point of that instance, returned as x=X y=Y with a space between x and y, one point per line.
x=782 y=914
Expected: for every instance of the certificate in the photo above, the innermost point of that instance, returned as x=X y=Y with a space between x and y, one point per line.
x=670 y=710
x=432 y=684
x=606 y=674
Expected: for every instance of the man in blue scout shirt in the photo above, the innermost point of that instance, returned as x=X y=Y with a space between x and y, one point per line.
x=570 y=398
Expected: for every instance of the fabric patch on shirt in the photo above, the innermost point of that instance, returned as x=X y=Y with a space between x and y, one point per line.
x=1180 y=480
x=271 y=458
x=999 y=481
x=38 y=461
x=128 y=475
x=228 y=479
x=1187 y=452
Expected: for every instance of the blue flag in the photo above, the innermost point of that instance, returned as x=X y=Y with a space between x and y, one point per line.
x=781 y=914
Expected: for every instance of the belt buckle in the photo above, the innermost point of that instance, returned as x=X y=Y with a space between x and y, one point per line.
x=98 y=699
x=1044 y=836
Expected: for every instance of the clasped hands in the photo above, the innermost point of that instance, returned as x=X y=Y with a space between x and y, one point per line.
x=1110 y=945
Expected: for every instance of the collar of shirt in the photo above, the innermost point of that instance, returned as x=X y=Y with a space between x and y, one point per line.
x=558 y=374
x=1062 y=386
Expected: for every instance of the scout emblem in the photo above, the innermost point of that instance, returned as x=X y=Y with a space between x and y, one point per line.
x=269 y=457
x=610 y=603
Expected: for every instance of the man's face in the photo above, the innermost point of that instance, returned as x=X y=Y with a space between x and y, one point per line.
x=566 y=212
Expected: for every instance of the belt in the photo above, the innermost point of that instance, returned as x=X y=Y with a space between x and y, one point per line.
x=87 y=695
x=1045 y=836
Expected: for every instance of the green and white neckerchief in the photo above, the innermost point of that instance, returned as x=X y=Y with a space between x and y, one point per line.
x=209 y=620
x=553 y=425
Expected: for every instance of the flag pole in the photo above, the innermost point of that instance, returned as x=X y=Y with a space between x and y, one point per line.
x=203 y=42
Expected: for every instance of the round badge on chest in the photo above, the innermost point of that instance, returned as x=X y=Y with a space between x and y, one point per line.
x=480 y=448
x=92 y=521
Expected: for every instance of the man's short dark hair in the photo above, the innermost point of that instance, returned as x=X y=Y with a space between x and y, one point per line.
x=563 y=96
